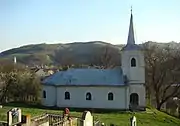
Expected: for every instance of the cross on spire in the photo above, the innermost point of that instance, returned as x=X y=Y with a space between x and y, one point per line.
x=131 y=39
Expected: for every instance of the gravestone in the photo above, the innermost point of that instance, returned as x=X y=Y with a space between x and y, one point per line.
x=13 y=113
x=88 y=119
x=133 y=121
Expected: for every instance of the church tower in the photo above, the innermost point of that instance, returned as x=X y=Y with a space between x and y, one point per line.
x=132 y=59
x=133 y=66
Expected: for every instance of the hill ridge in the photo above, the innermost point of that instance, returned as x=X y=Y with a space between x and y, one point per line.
x=68 y=53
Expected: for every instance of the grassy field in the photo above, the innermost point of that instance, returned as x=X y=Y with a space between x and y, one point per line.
x=151 y=117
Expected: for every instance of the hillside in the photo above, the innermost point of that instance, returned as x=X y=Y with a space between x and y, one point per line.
x=64 y=54
x=151 y=117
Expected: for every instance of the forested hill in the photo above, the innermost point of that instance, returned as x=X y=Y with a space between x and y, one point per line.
x=71 y=53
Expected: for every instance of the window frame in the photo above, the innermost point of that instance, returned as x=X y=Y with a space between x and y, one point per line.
x=133 y=62
x=67 y=95
x=90 y=96
x=44 y=94
x=110 y=96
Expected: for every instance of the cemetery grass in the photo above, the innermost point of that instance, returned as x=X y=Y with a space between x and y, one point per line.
x=151 y=117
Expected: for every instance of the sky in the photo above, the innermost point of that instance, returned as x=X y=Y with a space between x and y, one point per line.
x=24 y=22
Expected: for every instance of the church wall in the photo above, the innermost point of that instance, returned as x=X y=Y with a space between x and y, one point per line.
x=140 y=90
x=50 y=99
x=99 y=97
x=134 y=74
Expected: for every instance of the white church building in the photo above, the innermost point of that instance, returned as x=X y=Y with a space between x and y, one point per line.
x=118 y=88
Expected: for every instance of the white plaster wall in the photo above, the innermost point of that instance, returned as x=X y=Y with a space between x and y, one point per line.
x=50 y=99
x=99 y=97
x=140 y=90
x=134 y=74
x=137 y=75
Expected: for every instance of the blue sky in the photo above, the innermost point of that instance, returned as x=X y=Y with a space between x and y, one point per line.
x=25 y=22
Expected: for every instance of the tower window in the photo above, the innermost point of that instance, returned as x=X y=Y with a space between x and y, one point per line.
x=67 y=96
x=133 y=62
x=88 y=96
x=110 y=96
x=44 y=94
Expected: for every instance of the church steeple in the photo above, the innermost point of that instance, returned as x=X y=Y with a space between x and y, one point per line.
x=131 y=45
x=131 y=39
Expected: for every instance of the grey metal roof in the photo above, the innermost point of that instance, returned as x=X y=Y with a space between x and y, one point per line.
x=130 y=47
x=87 y=77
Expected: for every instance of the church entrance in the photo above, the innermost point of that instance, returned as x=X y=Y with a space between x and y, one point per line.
x=134 y=100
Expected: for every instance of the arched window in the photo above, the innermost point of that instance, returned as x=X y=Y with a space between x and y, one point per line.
x=110 y=96
x=88 y=96
x=67 y=95
x=44 y=94
x=134 y=99
x=133 y=62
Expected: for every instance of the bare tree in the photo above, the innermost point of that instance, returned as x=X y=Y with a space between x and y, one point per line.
x=63 y=60
x=162 y=72
x=106 y=58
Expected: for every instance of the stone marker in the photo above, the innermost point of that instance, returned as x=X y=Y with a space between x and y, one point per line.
x=133 y=121
x=11 y=114
x=88 y=119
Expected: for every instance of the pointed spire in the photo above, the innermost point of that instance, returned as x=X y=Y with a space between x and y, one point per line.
x=131 y=39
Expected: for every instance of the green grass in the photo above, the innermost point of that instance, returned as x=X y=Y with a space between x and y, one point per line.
x=151 y=117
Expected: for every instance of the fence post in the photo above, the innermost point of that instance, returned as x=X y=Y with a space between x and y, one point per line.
x=9 y=118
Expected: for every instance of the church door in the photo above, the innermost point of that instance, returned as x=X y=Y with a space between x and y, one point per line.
x=134 y=99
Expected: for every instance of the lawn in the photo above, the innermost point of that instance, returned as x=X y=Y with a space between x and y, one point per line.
x=151 y=117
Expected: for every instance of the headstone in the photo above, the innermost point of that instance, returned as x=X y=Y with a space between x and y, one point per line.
x=88 y=119
x=133 y=121
x=12 y=113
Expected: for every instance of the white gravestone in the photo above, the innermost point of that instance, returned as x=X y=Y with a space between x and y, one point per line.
x=88 y=119
x=133 y=121
x=12 y=113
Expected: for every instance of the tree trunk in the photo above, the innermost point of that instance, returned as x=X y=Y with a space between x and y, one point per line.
x=159 y=107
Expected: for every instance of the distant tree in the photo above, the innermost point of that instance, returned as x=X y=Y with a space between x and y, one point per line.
x=18 y=84
x=7 y=81
x=162 y=71
x=106 y=58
